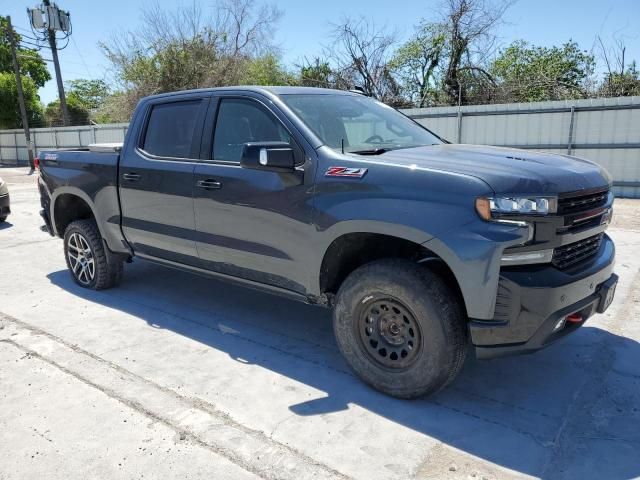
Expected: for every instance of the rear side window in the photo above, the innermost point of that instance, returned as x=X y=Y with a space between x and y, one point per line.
x=170 y=129
x=242 y=121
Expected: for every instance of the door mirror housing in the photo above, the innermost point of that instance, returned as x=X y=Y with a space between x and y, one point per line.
x=273 y=156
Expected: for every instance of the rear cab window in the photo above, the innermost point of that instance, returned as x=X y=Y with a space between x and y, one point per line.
x=171 y=128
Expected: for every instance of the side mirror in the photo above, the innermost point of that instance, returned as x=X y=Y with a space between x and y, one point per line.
x=273 y=156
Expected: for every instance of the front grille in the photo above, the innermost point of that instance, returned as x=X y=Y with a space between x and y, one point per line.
x=567 y=255
x=581 y=203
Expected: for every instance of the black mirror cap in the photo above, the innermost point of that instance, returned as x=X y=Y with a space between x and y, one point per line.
x=279 y=156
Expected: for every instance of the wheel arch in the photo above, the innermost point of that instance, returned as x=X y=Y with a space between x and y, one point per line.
x=352 y=249
x=69 y=204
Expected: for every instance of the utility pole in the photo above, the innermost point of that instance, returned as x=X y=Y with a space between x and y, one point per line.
x=51 y=33
x=23 y=107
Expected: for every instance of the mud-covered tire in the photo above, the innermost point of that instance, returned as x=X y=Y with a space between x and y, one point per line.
x=107 y=269
x=417 y=302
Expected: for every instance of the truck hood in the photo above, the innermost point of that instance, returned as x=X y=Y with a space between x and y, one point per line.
x=506 y=170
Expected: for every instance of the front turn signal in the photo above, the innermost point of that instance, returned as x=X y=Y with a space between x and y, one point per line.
x=483 y=207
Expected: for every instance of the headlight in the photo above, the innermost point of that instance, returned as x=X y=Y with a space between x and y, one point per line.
x=490 y=208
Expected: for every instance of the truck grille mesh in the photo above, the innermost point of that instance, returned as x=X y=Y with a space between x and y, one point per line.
x=581 y=203
x=567 y=255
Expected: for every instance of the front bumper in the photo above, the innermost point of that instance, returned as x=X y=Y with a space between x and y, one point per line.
x=532 y=299
x=5 y=207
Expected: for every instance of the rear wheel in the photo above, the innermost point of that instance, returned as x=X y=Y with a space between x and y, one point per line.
x=91 y=266
x=400 y=328
x=3 y=218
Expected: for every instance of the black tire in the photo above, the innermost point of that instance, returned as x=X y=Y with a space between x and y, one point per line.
x=107 y=269
x=426 y=313
x=3 y=218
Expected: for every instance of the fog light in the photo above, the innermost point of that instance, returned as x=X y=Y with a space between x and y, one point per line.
x=524 y=258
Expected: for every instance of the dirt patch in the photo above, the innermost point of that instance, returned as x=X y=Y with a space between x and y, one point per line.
x=626 y=214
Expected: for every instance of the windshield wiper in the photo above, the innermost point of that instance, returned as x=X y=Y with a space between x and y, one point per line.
x=372 y=151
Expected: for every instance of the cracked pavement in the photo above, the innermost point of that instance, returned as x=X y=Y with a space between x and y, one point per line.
x=172 y=375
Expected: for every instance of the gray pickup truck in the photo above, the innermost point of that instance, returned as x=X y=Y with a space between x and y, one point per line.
x=425 y=250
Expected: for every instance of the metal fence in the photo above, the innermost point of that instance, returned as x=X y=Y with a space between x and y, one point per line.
x=605 y=130
x=13 y=148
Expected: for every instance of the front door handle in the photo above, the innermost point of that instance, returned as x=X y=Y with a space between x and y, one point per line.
x=209 y=184
x=131 y=177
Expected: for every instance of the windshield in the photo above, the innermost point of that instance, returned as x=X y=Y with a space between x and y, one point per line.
x=363 y=124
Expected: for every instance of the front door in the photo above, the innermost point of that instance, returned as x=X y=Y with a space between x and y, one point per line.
x=252 y=224
x=156 y=181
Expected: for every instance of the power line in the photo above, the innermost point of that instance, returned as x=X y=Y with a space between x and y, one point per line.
x=81 y=56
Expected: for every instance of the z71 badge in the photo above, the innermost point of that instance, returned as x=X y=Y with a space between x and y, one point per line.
x=345 y=172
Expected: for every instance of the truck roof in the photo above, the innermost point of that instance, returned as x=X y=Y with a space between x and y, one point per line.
x=273 y=90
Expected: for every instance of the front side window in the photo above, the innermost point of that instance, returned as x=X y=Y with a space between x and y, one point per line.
x=358 y=123
x=243 y=121
x=170 y=129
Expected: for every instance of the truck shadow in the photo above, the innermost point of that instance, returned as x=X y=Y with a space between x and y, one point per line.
x=510 y=411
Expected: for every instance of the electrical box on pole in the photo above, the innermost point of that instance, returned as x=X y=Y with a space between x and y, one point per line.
x=48 y=19
x=36 y=18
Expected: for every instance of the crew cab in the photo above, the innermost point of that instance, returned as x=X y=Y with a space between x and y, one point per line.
x=424 y=249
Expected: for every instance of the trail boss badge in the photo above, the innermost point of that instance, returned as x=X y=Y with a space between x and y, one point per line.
x=345 y=172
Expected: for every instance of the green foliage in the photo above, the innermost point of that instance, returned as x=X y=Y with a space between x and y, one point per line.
x=534 y=73
x=416 y=62
x=266 y=70
x=78 y=113
x=317 y=74
x=31 y=63
x=90 y=93
x=622 y=84
x=9 y=108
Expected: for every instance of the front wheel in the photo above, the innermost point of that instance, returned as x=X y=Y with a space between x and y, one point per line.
x=400 y=328
x=91 y=266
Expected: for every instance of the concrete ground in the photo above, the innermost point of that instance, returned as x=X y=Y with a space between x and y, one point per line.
x=177 y=376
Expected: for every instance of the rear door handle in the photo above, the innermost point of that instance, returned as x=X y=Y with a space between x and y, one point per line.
x=209 y=184
x=131 y=177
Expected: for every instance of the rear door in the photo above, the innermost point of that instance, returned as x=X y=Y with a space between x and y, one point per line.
x=156 y=179
x=252 y=224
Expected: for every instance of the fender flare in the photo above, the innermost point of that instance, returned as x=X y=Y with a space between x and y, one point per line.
x=346 y=227
x=68 y=190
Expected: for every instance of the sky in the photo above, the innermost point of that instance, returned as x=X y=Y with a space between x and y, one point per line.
x=305 y=25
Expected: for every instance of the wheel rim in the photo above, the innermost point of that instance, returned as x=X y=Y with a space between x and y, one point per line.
x=81 y=259
x=389 y=333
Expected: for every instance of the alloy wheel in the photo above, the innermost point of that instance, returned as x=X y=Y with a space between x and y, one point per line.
x=81 y=258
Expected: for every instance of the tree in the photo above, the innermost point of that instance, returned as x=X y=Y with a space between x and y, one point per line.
x=31 y=63
x=9 y=109
x=621 y=84
x=78 y=113
x=361 y=52
x=620 y=80
x=186 y=48
x=470 y=30
x=267 y=70
x=34 y=75
x=316 y=73
x=90 y=93
x=529 y=73
x=416 y=62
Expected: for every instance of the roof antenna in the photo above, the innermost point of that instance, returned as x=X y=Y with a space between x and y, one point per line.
x=342 y=145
